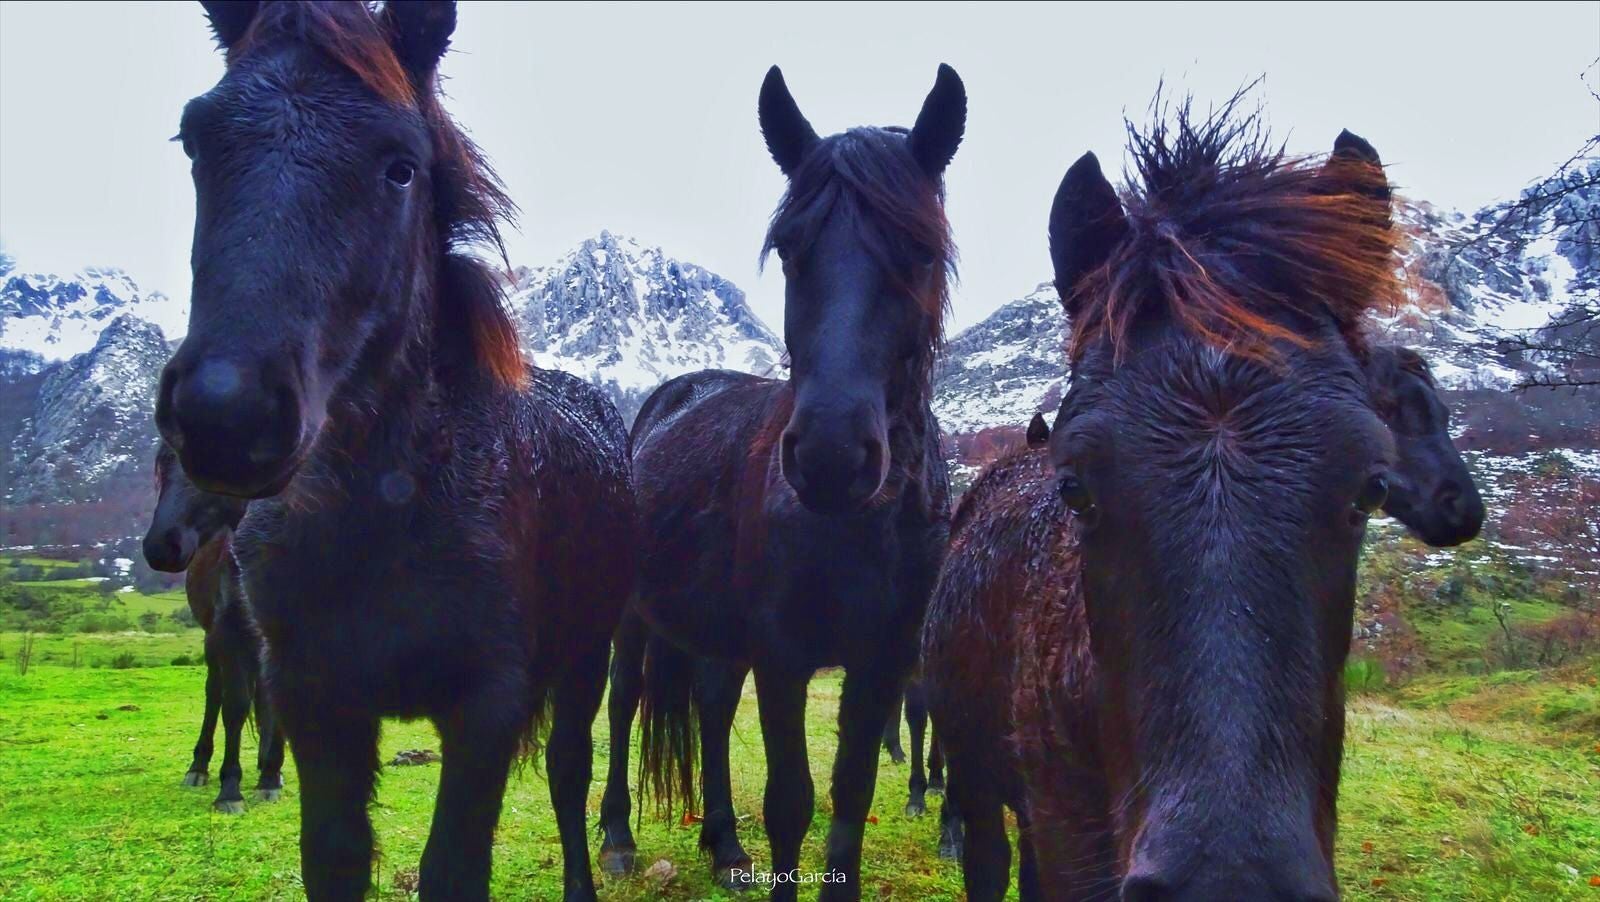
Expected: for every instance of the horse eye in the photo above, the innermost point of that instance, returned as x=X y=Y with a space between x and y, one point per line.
x=400 y=174
x=1075 y=494
x=1373 y=494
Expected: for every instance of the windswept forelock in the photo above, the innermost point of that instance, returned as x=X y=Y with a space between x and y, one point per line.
x=870 y=176
x=350 y=33
x=1227 y=233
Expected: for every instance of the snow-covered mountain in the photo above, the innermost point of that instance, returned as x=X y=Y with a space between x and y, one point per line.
x=90 y=426
x=45 y=317
x=1461 y=294
x=628 y=317
x=77 y=427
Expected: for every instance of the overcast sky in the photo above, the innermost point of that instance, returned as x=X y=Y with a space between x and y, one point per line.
x=641 y=119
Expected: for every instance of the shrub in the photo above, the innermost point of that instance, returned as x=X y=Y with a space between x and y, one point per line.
x=185 y=618
x=183 y=661
x=104 y=623
x=149 y=621
x=1362 y=675
x=124 y=661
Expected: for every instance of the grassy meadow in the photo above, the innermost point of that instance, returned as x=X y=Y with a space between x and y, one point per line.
x=1458 y=785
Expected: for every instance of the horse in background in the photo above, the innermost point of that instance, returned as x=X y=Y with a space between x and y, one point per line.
x=191 y=531
x=797 y=524
x=441 y=531
x=1139 y=636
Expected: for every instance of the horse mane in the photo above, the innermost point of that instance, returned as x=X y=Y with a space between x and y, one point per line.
x=469 y=200
x=869 y=176
x=1227 y=233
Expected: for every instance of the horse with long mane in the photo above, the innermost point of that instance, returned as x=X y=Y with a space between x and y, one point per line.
x=797 y=524
x=192 y=531
x=1139 y=635
x=442 y=532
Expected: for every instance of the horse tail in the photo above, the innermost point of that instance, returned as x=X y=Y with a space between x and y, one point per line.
x=669 y=726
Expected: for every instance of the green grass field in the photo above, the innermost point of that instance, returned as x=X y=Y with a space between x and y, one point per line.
x=1458 y=787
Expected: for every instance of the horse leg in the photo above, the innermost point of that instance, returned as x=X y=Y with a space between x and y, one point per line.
x=952 y=834
x=986 y=850
x=336 y=762
x=478 y=738
x=917 y=720
x=935 y=760
x=720 y=686
x=569 y=761
x=891 y=735
x=790 y=797
x=865 y=704
x=235 y=711
x=617 y=848
x=1028 y=889
x=269 y=754
x=200 y=765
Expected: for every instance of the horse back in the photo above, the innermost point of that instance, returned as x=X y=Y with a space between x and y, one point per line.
x=703 y=455
x=574 y=508
x=1006 y=621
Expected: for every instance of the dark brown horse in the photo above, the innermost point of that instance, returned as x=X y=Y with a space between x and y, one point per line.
x=443 y=533
x=798 y=524
x=192 y=531
x=1139 y=636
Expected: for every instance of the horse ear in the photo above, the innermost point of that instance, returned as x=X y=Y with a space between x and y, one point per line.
x=421 y=31
x=1354 y=166
x=941 y=123
x=786 y=131
x=1086 y=222
x=1038 y=431
x=230 y=19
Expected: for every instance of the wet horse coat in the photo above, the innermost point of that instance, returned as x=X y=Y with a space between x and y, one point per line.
x=1092 y=586
x=798 y=524
x=441 y=531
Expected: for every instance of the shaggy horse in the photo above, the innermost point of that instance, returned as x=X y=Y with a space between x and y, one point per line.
x=192 y=531
x=797 y=524
x=1139 y=636
x=444 y=532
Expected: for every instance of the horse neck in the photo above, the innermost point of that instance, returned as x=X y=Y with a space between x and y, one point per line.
x=380 y=416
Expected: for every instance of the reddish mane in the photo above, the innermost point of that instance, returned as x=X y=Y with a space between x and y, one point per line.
x=1226 y=232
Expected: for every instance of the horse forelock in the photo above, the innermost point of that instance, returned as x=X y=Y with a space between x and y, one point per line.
x=868 y=176
x=1227 y=234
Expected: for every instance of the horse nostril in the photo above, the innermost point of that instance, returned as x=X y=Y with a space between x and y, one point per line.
x=790 y=461
x=872 y=459
x=1145 y=888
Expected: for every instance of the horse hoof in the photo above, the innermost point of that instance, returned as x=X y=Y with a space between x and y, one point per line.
x=897 y=757
x=936 y=786
x=231 y=806
x=269 y=794
x=916 y=809
x=196 y=778
x=950 y=851
x=739 y=876
x=617 y=862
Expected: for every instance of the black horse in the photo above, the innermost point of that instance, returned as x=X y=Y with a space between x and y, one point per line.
x=792 y=525
x=922 y=780
x=443 y=532
x=1139 y=636
x=191 y=531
